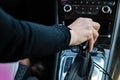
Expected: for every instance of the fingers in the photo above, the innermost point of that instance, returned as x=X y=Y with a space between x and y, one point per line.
x=25 y=61
x=93 y=39
x=94 y=34
x=85 y=18
x=90 y=43
x=96 y=25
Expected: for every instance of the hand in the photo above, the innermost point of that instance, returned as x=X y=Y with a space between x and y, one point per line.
x=25 y=61
x=84 y=29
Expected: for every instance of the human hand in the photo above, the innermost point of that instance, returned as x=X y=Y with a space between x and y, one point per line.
x=25 y=61
x=84 y=29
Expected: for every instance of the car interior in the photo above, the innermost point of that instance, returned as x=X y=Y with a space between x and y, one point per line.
x=104 y=60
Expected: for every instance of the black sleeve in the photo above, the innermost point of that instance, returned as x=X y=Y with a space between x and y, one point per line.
x=21 y=39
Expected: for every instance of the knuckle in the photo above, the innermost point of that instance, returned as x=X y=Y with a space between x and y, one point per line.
x=79 y=18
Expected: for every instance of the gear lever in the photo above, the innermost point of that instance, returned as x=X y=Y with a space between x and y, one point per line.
x=81 y=67
x=84 y=57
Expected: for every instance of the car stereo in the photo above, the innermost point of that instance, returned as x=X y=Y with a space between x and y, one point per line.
x=74 y=8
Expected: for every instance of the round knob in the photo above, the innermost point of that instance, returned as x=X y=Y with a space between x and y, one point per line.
x=67 y=8
x=106 y=9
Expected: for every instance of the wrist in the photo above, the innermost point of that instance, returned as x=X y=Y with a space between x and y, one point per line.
x=74 y=38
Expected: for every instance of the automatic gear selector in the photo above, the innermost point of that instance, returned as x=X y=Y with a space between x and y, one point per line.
x=82 y=66
x=78 y=63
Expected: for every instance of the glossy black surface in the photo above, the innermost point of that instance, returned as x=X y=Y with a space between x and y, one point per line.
x=114 y=61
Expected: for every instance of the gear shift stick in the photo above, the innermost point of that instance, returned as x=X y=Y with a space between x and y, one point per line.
x=84 y=58
x=81 y=68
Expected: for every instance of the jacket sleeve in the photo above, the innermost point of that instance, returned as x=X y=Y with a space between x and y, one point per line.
x=24 y=39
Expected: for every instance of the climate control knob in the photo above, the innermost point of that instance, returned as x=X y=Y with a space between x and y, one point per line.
x=67 y=8
x=106 y=10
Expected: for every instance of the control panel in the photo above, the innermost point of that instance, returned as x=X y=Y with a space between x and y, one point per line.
x=74 y=8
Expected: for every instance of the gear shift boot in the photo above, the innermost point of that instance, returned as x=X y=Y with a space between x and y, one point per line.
x=81 y=69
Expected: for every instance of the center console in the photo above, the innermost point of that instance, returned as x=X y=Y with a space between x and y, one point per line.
x=101 y=11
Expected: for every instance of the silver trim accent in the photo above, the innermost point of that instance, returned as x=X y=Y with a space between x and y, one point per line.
x=97 y=72
x=64 y=56
x=108 y=9
x=67 y=10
